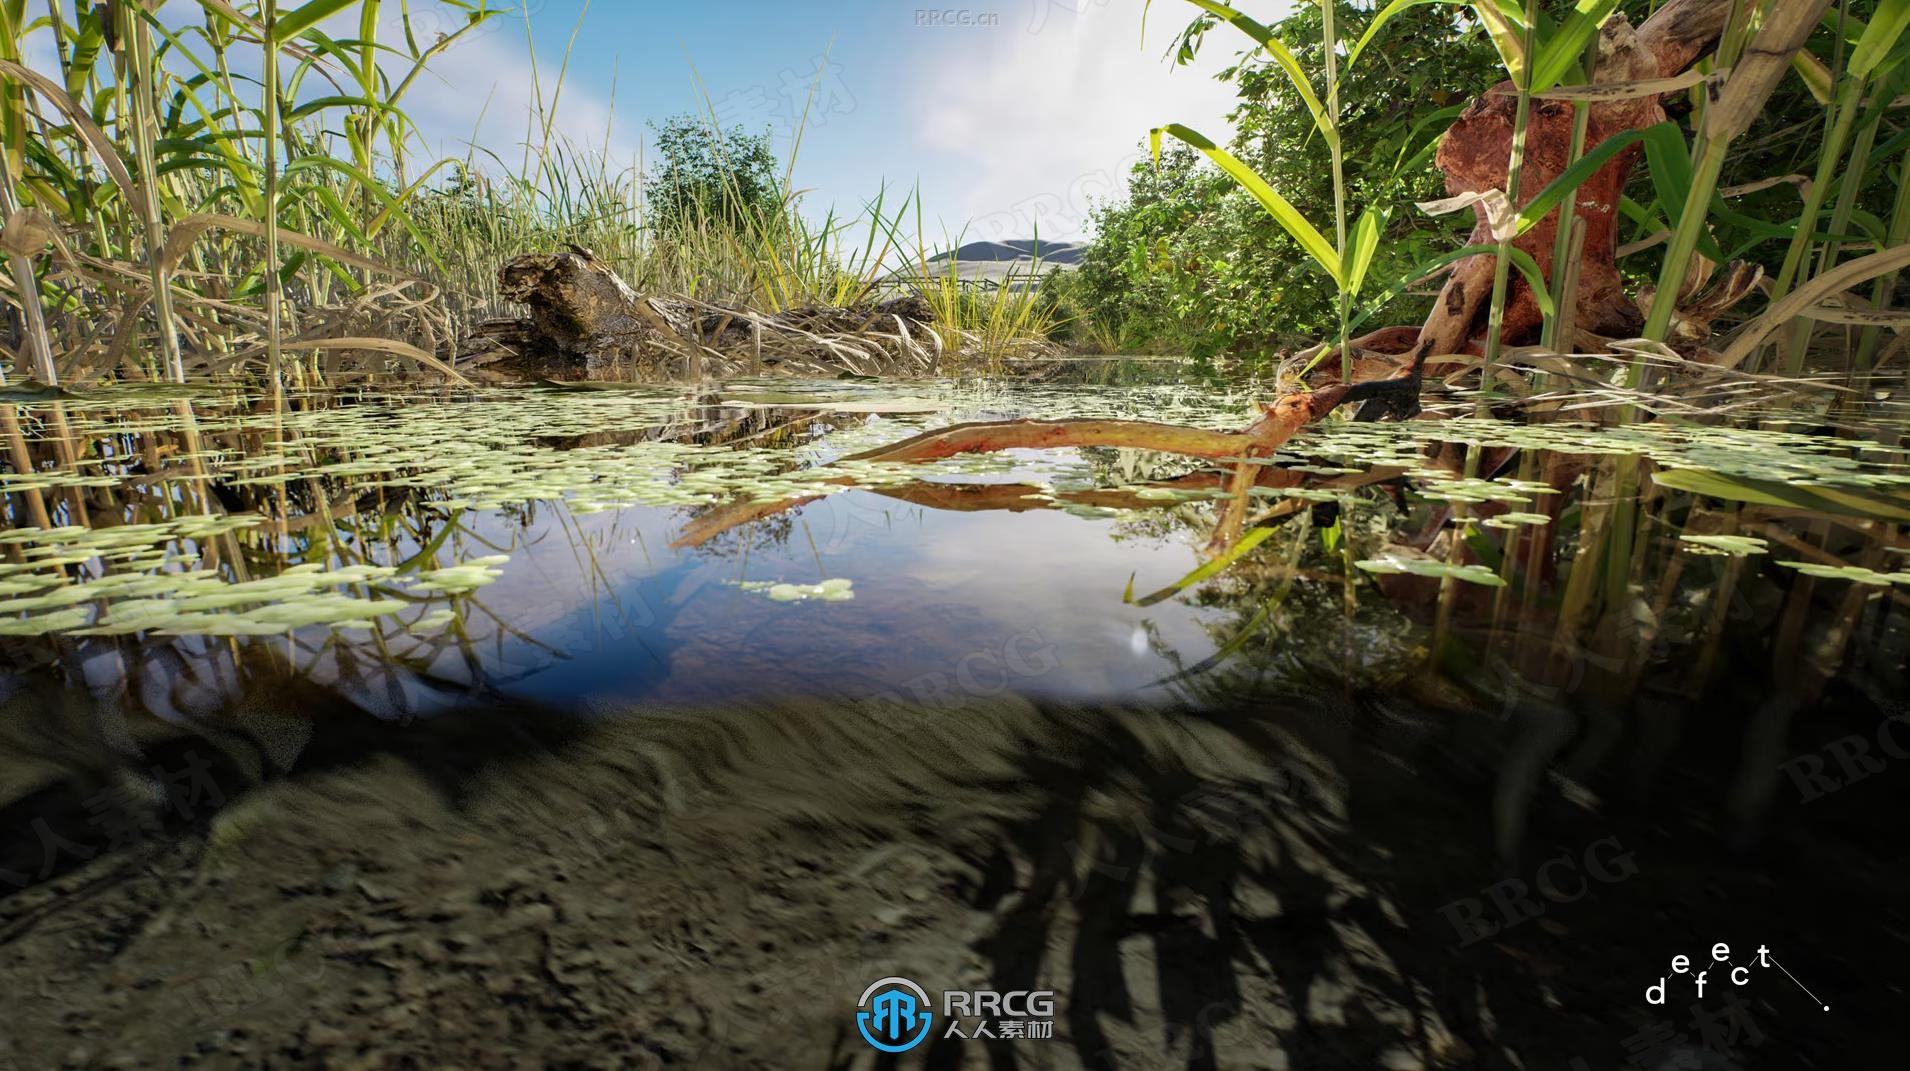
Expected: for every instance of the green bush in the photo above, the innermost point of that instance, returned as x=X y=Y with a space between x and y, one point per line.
x=1187 y=262
x=728 y=177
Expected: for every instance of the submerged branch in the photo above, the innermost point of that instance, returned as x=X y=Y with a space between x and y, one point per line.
x=1275 y=426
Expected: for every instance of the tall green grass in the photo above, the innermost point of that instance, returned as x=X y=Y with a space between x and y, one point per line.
x=215 y=191
x=1825 y=260
x=1547 y=56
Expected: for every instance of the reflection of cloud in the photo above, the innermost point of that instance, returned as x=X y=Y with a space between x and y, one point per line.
x=1050 y=119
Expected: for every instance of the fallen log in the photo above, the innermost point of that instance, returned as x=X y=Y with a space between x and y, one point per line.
x=582 y=312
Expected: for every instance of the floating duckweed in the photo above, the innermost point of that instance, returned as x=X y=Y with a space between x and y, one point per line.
x=832 y=590
x=461 y=579
x=1855 y=573
x=58 y=621
x=1443 y=487
x=1515 y=520
x=596 y=450
x=1309 y=494
x=200 y=602
x=42 y=535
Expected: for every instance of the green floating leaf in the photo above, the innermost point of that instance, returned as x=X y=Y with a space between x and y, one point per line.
x=1515 y=520
x=836 y=589
x=44 y=624
x=1397 y=564
x=1848 y=572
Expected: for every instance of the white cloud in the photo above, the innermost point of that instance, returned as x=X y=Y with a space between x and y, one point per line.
x=1050 y=115
x=482 y=90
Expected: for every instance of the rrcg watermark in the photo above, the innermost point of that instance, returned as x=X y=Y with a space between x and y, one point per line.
x=1043 y=9
x=1512 y=897
x=962 y=18
x=1852 y=753
x=983 y=673
x=1213 y=811
x=123 y=817
x=895 y=1015
x=1659 y=1044
x=798 y=100
x=1066 y=211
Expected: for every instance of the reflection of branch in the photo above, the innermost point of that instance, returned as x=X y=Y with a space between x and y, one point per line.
x=717 y=521
x=1015 y=497
x=1275 y=426
x=975 y=497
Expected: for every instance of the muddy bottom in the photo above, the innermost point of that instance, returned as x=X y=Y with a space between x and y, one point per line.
x=1303 y=882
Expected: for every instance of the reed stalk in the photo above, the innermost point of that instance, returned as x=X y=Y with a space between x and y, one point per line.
x=269 y=135
x=1556 y=334
x=1757 y=60
x=1838 y=123
x=1886 y=285
x=1329 y=49
x=1515 y=168
x=142 y=74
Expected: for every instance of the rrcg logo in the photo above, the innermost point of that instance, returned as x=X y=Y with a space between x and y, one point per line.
x=894 y=1007
x=895 y=1014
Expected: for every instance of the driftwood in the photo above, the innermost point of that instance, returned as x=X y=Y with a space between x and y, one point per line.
x=1475 y=156
x=1277 y=423
x=583 y=314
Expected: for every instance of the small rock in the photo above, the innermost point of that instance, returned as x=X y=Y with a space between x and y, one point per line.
x=339 y=877
x=534 y=915
x=322 y=1036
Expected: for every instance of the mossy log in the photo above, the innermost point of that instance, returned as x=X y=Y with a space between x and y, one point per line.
x=583 y=313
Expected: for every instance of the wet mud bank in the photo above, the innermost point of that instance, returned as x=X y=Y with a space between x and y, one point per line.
x=1301 y=881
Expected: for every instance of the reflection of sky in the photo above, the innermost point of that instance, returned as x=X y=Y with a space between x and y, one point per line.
x=946 y=604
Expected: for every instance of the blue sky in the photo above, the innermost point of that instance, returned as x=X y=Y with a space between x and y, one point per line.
x=1011 y=115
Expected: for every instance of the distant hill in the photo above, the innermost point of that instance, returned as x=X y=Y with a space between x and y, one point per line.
x=1022 y=259
x=1047 y=252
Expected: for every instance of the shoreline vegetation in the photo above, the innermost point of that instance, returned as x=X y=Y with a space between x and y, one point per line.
x=1523 y=467
x=178 y=219
x=142 y=163
x=179 y=225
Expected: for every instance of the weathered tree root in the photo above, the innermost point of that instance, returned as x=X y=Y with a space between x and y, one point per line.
x=1475 y=154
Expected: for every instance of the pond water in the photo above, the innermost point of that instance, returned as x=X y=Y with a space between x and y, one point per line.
x=708 y=544
x=1470 y=617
